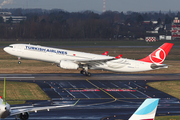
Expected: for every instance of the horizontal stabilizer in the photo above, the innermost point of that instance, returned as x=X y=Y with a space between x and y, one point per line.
x=154 y=66
x=119 y=56
x=105 y=53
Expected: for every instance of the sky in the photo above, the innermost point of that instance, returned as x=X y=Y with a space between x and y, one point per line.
x=95 y=5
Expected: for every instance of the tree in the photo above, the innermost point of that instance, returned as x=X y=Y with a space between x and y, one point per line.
x=9 y=21
x=168 y=19
x=159 y=21
x=140 y=19
x=1 y=20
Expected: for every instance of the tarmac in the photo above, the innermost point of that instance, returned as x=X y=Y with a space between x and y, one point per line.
x=100 y=97
x=98 y=76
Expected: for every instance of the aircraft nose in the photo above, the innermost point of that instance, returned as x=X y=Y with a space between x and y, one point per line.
x=5 y=49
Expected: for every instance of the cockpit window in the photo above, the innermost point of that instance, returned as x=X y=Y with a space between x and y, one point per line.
x=11 y=46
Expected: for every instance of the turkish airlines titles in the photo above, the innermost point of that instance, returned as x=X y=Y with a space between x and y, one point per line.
x=45 y=50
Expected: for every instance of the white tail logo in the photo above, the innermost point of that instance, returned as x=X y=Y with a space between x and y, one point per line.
x=158 y=56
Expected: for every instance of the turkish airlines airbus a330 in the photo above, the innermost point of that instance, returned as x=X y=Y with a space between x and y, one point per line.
x=68 y=59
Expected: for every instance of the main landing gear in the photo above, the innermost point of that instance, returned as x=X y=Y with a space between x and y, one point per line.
x=85 y=73
x=19 y=58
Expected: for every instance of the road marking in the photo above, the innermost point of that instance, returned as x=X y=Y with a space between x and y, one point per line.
x=131 y=93
x=101 y=89
x=95 y=88
x=93 y=91
x=107 y=98
x=76 y=102
x=114 y=100
x=76 y=89
x=67 y=91
x=19 y=77
x=143 y=93
x=114 y=84
x=139 y=86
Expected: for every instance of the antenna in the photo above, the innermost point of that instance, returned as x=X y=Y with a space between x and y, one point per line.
x=104 y=5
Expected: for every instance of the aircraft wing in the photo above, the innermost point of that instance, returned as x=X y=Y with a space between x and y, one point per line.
x=35 y=109
x=93 y=62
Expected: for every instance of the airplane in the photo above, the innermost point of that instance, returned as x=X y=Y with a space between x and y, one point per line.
x=147 y=110
x=68 y=59
x=23 y=112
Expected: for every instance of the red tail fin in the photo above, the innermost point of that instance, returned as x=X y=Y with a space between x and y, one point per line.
x=105 y=53
x=159 y=55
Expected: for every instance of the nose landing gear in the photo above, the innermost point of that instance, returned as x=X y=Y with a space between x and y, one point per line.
x=19 y=58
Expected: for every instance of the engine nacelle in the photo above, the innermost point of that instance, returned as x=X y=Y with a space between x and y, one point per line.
x=68 y=65
x=24 y=116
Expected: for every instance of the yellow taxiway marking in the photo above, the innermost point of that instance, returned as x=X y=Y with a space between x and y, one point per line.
x=76 y=102
x=114 y=100
x=118 y=99
x=101 y=89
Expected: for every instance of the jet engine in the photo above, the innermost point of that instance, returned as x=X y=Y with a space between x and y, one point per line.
x=68 y=65
x=24 y=116
x=154 y=66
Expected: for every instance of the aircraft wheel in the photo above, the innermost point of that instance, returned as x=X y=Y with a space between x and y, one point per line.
x=81 y=71
x=84 y=72
x=19 y=62
x=88 y=74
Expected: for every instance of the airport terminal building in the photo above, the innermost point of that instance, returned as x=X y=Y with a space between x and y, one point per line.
x=15 y=19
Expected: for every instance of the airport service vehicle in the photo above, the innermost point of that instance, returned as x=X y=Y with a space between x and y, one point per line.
x=68 y=59
x=147 y=110
x=23 y=111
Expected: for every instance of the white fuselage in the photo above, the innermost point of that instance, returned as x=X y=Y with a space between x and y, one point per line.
x=4 y=109
x=56 y=55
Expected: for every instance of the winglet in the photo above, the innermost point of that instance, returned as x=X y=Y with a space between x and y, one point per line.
x=119 y=56
x=159 y=55
x=105 y=53
x=4 y=94
x=147 y=110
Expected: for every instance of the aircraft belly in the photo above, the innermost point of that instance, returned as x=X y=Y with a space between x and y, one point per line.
x=125 y=68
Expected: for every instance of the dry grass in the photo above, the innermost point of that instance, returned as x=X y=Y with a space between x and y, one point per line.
x=167 y=118
x=170 y=87
x=22 y=91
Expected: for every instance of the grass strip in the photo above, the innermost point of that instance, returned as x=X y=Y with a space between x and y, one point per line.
x=167 y=118
x=170 y=87
x=19 y=92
